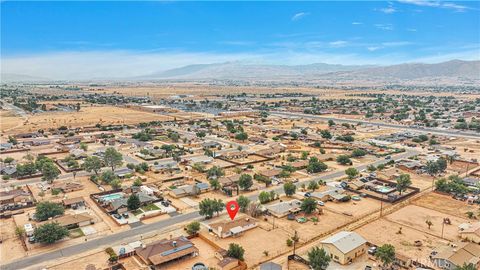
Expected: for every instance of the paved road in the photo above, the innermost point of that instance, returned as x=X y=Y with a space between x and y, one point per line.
x=456 y=133
x=160 y=225
x=100 y=242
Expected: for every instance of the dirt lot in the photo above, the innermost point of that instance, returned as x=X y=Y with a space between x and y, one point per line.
x=383 y=231
x=87 y=116
x=9 y=120
x=100 y=260
x=415 y=217
x=355 y=208
x=445 y=204
x=255 y=241
x=11 y=247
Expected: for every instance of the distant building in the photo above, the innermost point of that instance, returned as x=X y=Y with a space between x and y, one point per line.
x=344 y=246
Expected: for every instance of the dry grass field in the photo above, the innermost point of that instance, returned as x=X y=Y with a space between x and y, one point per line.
x=9 y=120
x=445 y=204
x=87 y=116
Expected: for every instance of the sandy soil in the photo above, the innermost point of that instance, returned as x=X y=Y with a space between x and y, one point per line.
x=445 y=204
x=383 y=231
x=87 y=116
x=414 y=216
x=9 y=120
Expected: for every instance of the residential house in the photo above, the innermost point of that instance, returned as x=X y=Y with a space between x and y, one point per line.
x=344 y=246
x=165 y=251
x=188 y=190
x=73 y=202
x=227 y=228
x=470 y=232
x=455 y=255
x=270 y=173
x=164 y=165
x=282 y=209
x=66 y=187
x=270 y=266
x=123 y=172
x=71 y=221
x=16 y=196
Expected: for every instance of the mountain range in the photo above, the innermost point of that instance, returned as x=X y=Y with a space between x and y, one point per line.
x=454 y=72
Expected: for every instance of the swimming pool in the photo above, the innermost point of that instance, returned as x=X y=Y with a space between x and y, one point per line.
x=384 y=189
x=111 y=197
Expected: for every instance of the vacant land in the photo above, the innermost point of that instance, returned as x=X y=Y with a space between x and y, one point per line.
x=87 y=116
x=445 y=204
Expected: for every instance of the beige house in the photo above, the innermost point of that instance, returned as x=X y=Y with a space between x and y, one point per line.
x=227 y=228
x=344 y=246
x=471 y=232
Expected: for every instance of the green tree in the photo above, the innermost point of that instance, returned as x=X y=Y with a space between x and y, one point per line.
x=309 y=205
x=193 y=228
x=326 y=134
x=431 y=167
x=358 y=153
x=315 y=166
x=289 y=188
x=331 y=123
x=235 y=251
x=50 y=233
x=50 y=172
x=245 y=181
x=215 y=172
x=344 y=160
x=133 y=202
x=313 y=185
x=201 y=134
x=441 y=164
x=318 y=258
x=92 y=164
x=112 y=158
x=466 y=266
x=206 y=208
x=264 y=197
x=83 y=146
x=242 y=136
x=243 y=203
x=46 y=210
x=107 y=177
x=214 y=184
x=403 y=182
x=386 y=254
x=351 y=172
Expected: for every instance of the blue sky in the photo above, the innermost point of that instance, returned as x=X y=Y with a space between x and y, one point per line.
x=82 y=39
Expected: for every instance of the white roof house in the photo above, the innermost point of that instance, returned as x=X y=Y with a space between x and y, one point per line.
x=345 y=241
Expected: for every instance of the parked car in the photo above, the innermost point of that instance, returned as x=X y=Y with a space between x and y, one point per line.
x=372 y=250
x=321 y=203
x=307 y=194
x=125 y=215
x=31 y=239
x=117 y=216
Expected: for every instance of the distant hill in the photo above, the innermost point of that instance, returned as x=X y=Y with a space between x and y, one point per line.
x=239 y=71
x=412 y=71
x=455 y=71
x=12 y=77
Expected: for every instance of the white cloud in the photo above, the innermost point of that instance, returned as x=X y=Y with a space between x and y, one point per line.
x=357 y=23
x=411 y=30
x=338 y=43
x=373 y=48
x=436 y=4
x=388 y=10
x=386 y=27
x=299 y=16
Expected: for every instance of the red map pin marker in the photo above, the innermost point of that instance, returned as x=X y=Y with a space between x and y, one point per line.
x=232 y=209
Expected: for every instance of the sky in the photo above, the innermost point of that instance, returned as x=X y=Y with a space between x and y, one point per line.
x=81 y=40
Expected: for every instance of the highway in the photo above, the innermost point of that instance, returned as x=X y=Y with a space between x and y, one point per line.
x=456 y=133
x=121 y=237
